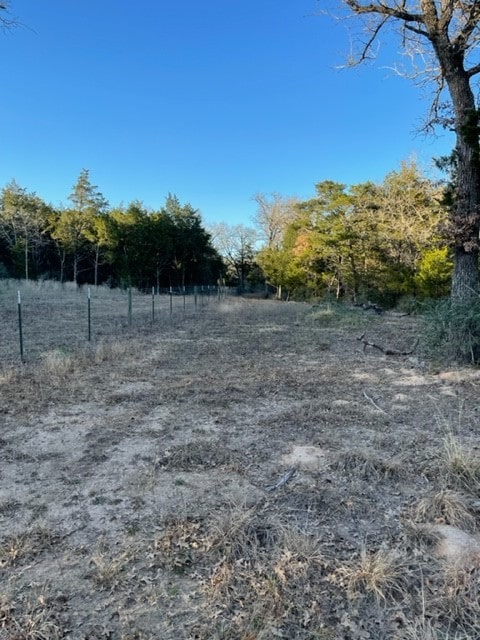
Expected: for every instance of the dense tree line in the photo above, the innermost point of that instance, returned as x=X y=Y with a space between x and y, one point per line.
x=367 y=241
x=91 y=242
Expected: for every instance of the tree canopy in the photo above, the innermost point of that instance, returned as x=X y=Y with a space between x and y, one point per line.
x=91 y=242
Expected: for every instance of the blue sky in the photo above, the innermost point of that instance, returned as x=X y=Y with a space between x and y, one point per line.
x=213 y=101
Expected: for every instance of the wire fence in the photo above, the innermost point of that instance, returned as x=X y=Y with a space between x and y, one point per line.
x=38 y=317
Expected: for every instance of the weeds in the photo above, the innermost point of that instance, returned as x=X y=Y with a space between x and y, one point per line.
x=17 y=549
x=32 y=618
x=57 y=363
x=108 y=568
x=445 y=507
x=463 y=467
x=451 y=330
x=381 y=574
x=367 y=466
x=336 y=314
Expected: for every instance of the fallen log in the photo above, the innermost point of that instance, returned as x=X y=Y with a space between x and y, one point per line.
x=386 y=350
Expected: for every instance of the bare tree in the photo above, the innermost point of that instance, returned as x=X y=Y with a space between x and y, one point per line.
x=442 y=37
x=236 y=245
x=274 y=214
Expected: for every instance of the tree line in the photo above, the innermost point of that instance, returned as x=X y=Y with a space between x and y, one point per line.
x=92 y=242
x=362 y=242
x=366 y=241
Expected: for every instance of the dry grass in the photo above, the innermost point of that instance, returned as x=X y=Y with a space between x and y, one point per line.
x=428 y=630
x=108 y=567
x=162 y=441
x=382 y=574
x=445 y=507
x=57 y=363
x=20 y=548
x=463 y=467
x=32 y=618
x=366 y=465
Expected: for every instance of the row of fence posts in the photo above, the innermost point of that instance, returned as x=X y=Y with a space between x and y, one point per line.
x=220 y=292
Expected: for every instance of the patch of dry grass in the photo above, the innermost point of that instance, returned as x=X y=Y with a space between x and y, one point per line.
x=34 y=617
x=445 y=507
x=57 y=363
x=109 y=566
x=382 y=574
x=205 y=454
x=19 y=548
x=462 y=466
x=367 y=465
x=264 y=578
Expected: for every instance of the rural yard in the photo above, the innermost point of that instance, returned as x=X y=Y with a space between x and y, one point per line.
x=247 y=470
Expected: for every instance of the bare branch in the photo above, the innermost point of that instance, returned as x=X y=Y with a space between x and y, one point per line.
x=471 y=23
x=6 y=23
x=473 y=70
x=381 y=9
x=368 y=45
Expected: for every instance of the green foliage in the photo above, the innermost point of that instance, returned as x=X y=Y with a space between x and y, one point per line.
x=366 y=242
x=91 y=243
x=451 y=330
x=434 y=273
x=23 y=218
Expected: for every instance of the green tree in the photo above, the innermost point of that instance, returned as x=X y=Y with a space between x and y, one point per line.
x=82 y=230
x=23 y=223
x=332 y=232
x=409 y=217
x=91 y=207
x=362 y=241
x=434 y=273
x=195 y=258
x=69 y=227
x=132 y=243
x=282 y=268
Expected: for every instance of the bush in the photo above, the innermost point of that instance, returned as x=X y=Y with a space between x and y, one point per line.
x=451 y=331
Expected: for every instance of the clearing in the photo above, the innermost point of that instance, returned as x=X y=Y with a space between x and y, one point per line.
x=246 y=471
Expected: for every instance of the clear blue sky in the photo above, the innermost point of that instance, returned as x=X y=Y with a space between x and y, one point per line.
x=212 y=101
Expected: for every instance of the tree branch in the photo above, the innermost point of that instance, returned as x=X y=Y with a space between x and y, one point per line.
x=386 y=350
x=473 y=70
x=470 y=24
x=380 y=9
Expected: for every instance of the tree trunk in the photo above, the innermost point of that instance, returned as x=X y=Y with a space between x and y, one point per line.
x=97 y=260
x=26 y=257
x=465 y=215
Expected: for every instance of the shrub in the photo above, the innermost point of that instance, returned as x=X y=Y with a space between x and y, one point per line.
x=451 y=330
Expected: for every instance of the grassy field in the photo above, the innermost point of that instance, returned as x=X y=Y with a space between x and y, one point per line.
x=246 y=471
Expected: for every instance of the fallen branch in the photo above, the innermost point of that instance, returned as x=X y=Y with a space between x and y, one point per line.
x=283 y=480
x=386 y=350
x=374 y=403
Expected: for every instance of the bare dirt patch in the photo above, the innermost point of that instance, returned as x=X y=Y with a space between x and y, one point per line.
x=136 y=495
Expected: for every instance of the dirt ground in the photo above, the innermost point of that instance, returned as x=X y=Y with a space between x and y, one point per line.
x=248 y=471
